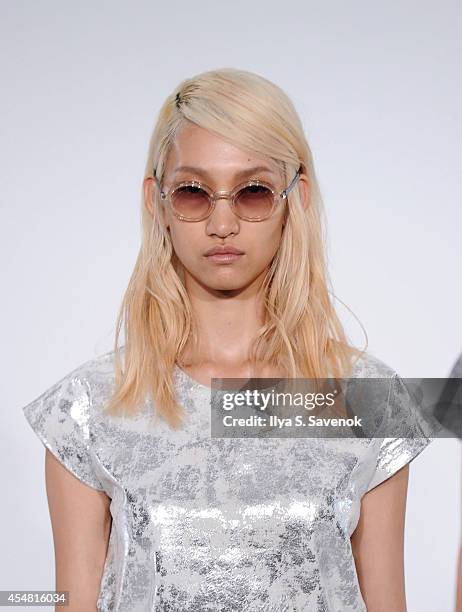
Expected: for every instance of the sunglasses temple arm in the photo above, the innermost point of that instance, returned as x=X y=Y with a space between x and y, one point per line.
x=162 y=195
x=292 y=183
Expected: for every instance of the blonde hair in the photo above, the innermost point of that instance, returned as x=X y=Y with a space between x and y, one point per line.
x=302 y=334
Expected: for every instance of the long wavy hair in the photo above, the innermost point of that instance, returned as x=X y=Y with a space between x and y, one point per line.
x=302 y=335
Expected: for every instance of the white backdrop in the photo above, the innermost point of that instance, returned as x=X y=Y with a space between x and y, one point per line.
x=378 y=87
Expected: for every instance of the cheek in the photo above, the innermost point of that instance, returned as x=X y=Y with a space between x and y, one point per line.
x=263 y=245
x=186 y=241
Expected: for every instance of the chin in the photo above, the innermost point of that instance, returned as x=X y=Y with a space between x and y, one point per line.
x=225 y=286
x=230 y=284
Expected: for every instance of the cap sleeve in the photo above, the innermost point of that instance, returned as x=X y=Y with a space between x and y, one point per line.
x=61 y=419
x=456 y=371
x=405 y=419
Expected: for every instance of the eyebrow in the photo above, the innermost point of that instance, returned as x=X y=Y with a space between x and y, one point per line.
x=240 y=174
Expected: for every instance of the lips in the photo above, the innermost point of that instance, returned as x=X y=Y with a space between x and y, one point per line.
x=223 y=250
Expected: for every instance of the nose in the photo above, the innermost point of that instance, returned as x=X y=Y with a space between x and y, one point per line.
x=222 y=220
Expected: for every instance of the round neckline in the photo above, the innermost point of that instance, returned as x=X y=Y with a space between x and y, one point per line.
x=199 y=385
x=191 y=380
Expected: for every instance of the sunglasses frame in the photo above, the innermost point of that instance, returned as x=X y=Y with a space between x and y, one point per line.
x=229 y=195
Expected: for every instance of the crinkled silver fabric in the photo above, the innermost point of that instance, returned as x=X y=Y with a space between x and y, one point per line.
x=202 y=524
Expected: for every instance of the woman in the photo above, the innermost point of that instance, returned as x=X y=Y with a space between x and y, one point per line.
x=162 y=516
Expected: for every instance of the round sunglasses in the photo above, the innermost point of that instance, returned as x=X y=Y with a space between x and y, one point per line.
x=253 y=200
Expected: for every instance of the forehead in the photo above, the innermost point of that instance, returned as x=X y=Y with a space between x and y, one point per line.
x=199 y=151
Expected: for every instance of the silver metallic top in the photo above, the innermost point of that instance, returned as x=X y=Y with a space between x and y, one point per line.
x=208 y=524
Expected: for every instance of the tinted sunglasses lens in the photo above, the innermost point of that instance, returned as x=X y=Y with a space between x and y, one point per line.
x=190 y=202
x=254 y=201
